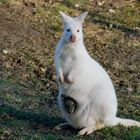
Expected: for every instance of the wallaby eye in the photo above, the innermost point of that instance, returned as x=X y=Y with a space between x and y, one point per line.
x=78 y=31
x=68 y=30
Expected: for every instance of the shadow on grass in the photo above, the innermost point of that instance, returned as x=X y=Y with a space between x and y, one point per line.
x=124 y=29
x=30 y=116
x=103 y=21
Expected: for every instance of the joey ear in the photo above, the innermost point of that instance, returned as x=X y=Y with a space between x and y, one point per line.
x=81 y=17
x=65 y=17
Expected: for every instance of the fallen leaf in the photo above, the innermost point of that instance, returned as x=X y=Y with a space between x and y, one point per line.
x=76 y=5
x=101 y=3
x=43 y=69
x=129 y=89
x=5 y=51
x=112 y=11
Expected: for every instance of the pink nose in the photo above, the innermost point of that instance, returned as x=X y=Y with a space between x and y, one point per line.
x=73 y=38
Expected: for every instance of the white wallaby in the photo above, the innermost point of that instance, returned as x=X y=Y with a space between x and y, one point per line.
x=85 y=81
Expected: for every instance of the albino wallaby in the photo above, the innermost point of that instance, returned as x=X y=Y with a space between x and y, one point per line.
x=86 y=97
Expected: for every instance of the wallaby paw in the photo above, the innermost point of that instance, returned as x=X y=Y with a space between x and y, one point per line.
x=69 y=80
x=62 y=126
x=61 y=80
x=86 y=131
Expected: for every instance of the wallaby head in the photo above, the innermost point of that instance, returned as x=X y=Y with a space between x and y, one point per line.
x=73 y=27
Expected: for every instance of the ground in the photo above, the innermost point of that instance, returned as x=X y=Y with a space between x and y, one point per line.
x=29 y=32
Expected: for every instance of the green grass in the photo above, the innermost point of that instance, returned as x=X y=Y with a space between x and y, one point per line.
x=30 y=31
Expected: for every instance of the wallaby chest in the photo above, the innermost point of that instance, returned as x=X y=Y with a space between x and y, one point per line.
x=66 y=59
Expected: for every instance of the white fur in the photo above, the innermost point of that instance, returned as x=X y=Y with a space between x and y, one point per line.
x=91 y=86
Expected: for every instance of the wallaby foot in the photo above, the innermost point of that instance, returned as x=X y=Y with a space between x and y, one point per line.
x=90 y=129
x=86 y=131
x=62 y=126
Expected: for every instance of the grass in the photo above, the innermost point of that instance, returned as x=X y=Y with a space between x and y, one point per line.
x=30 y=31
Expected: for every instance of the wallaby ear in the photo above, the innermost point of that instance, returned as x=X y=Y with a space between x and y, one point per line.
x=65 y=17
x=81 y=17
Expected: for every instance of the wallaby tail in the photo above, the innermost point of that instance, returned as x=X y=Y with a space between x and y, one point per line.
x=126 y=122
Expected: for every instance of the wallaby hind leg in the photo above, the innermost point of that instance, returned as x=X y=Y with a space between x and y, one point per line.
x=62 y=126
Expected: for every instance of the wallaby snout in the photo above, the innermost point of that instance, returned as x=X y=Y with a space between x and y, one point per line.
x=72 y=38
